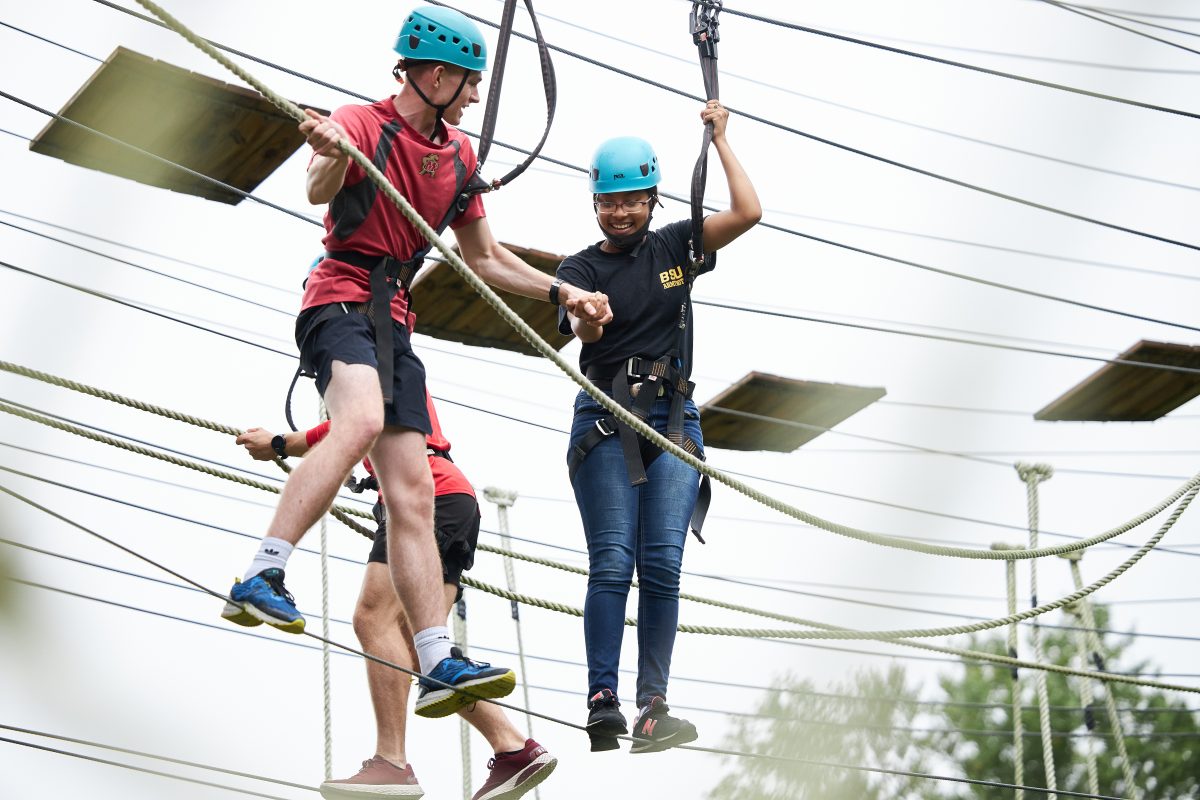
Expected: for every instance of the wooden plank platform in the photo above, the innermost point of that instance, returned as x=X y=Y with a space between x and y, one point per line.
x=226 y=132
x=759 y=395
x=448 y=308
x=1123 y=393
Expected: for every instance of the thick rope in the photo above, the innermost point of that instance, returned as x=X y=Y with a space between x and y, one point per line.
x=167 y=457
x=1032 y=475
x=1018 y=721
x=325 y=633
x=1085 y=701
x=1110 y=704
x=459 y=617
x=829 y=632
x=546 y=350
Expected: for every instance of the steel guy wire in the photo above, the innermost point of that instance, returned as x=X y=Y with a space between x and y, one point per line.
x=746 y=309
x=971 y=67
x=906 y=123
x=721 y=578
x=874 y=156
x=861 y=111
x=1075 y=10
x=1139 y=13
x=510 y=707
x=768 y=122
x=144 y=268
x=1188 y=491
x=839 y=494
x=144 y=770
x=168 y=759
x=728 y=712
x=787 y=423
x=161 y=481
x=1128 y=16
x=48 y=41
x=1071 y=709
x=294 y=292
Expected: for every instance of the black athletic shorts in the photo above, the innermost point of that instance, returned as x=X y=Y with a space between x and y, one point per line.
x=349 y=338
x=456 y=525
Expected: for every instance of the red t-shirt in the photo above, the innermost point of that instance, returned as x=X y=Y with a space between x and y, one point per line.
x=447 y=477
x=422 y=171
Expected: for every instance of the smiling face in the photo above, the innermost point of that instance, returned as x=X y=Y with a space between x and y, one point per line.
x=469 y=94
x=628 y=212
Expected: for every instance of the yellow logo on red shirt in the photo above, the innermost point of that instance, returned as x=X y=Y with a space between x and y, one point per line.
x=671 y=278
x=429 y=164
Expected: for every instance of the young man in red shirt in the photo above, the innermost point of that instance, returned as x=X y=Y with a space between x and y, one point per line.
x=372 y=382
x=381 y=624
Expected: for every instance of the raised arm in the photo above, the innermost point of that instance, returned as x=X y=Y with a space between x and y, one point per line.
x=744 y=211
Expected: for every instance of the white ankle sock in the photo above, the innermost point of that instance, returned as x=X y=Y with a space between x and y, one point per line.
x=272 y=552
x=433 y=644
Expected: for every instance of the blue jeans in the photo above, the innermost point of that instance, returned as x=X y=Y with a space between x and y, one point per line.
x=627 y=526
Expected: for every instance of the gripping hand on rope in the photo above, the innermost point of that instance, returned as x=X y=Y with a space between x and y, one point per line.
x=744 y=208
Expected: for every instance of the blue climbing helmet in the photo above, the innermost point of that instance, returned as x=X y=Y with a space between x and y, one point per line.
x=431 y=33
x=624 y=164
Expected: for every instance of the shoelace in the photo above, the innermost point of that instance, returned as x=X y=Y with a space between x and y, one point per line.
x=276 y=584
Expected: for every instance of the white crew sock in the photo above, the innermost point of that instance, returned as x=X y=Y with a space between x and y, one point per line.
x=272 y=552
x=433 y=644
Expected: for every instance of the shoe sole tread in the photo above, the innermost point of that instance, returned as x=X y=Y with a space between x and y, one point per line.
x=546 y=764
x=445 y=702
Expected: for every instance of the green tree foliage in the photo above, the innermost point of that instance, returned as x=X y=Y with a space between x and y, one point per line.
x=872 y=720
x=1161 y=734
x=853 y=723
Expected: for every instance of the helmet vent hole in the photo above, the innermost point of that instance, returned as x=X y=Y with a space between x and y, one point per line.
x=413 y=41
x=475 y=49
x=645 y=168
x=416 y=27
x=441 y=37
x=432 y=27
x=457 y=40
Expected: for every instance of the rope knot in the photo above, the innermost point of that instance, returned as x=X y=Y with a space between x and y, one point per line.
x=1034 y=474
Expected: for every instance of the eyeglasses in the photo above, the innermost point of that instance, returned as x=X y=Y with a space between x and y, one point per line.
x=628 y=206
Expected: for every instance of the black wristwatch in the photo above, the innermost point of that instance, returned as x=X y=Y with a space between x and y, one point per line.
x=557 y=282
x=279 y=445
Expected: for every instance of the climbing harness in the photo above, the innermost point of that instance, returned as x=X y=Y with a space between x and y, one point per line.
x=636 y=384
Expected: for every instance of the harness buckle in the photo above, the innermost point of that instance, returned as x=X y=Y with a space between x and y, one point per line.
x=604 y=431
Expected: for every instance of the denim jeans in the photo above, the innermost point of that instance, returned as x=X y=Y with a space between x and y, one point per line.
x=627 y=526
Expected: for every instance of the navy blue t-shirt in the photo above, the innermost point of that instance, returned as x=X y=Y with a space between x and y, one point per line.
x=645 y=293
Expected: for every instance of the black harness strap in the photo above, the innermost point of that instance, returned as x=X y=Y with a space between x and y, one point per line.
x=492 y=111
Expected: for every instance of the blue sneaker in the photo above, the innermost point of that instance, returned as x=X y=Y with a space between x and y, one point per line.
x=483 y=681
x=263 y=598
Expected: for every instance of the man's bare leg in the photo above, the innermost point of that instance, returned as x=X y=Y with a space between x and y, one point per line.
x=402 y=468
x=382 y=629
x=355 y=403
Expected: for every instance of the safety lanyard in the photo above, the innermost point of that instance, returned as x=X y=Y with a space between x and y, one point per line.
x=493 y=104
x=703 y=25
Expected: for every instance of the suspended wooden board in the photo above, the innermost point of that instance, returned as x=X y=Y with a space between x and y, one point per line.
x=1123 y=393
x=448 y=308
x=784 y=400
x=217 y=129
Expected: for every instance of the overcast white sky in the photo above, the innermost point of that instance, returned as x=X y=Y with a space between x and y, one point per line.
x=80 y=668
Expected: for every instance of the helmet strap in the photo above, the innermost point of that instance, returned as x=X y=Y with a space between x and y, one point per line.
x=441 y=109
x=629 y=243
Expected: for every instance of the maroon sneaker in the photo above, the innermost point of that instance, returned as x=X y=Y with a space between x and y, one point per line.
x=511 y=775
x=377 y=778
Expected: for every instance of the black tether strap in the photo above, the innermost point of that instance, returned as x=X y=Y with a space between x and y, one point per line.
x=492 y=111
